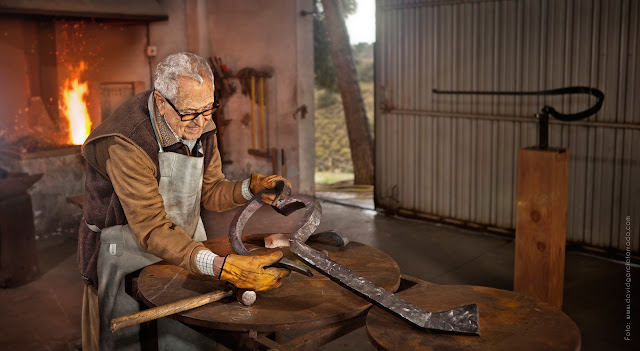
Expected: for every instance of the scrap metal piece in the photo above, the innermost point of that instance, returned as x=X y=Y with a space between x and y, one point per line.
x=330 y=237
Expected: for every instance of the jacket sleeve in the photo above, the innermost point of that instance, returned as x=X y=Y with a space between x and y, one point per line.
x=131 y=172
x=218 y=193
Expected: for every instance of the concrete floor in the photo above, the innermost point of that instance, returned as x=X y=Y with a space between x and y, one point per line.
x=45 y=314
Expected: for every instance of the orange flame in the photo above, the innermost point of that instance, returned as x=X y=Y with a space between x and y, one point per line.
x=74 y=106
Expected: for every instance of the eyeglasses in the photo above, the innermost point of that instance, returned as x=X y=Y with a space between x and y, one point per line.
x=185 y=117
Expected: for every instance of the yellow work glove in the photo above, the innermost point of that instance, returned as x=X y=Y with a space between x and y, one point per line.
x=248 y=272
x=260 y=183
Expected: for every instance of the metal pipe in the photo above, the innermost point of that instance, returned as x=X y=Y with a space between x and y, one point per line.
x=546 y=109
x=509 y=118
x=543 y=116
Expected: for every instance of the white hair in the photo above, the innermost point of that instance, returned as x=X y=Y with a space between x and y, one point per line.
x=183 y=64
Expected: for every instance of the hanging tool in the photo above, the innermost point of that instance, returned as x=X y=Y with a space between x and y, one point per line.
x=253 y=84
x=246 y=297
x=262 y=130
x=462 y=319
x=249 y=78
x=543 y=115
x=253 y=114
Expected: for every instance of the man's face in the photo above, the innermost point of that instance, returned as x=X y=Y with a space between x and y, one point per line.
x=192 y=97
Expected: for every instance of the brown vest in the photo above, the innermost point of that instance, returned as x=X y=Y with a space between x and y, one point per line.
x=101 y=206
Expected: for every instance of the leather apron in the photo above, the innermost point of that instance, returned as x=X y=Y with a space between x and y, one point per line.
x=120 y=254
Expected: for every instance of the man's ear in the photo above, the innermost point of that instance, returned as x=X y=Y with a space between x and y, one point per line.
x=159 y=102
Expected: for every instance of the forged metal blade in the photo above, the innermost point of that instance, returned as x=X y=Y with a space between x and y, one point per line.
x=462 y=319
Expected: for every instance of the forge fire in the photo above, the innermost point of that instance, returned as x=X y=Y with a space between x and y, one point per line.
x=74 y=105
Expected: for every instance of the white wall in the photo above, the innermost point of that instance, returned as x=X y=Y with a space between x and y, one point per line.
x=269 y=36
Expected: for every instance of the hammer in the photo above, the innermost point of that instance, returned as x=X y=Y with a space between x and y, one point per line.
x=246 y=297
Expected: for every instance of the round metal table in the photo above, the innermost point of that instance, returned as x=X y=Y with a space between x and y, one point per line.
x=300 y=303
x=508 y=321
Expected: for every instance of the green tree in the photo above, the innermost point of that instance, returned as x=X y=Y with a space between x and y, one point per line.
x=325 y=75
x=363 y=57
x=360 y=139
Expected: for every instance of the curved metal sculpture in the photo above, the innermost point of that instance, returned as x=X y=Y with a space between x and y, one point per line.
x=462 y=319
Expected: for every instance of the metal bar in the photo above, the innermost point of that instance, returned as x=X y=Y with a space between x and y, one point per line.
x=599 y=95
x=432 y=3
x=437 y=114
x=462 y=319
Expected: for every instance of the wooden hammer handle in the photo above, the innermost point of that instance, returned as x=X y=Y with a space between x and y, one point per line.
x=169 y=309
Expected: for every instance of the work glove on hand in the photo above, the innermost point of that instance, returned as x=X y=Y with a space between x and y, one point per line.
x=260 y=183
x=248 y=272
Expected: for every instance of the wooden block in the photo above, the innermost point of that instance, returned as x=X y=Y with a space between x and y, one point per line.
x=541 y=221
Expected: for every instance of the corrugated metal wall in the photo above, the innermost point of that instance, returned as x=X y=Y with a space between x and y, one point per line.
x=456 y=156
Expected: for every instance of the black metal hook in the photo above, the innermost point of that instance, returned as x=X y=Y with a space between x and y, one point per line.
x=543 y=115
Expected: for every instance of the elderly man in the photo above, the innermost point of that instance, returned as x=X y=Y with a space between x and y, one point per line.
x=151 y=166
